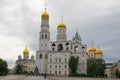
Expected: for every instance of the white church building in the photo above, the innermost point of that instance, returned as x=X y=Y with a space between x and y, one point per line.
x=53 y=56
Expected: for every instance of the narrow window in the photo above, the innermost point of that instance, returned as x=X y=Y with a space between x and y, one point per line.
x=65 y=60
x=53 y=49
x=50 y=60
x=65 y=66
x=42 y=36
x=67 y=48
x=60 y=47
x=45 y=36
x=50 y=66
x=59 y=72
x=40 y=56
x=55 y=72
x=55 y=66
x=59 y=60
x=59 y=66
x=56 y=59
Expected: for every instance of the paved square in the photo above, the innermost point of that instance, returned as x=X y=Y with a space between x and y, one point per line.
x=23 y=77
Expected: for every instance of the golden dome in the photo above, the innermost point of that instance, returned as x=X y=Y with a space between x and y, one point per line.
x=45 y=14
x=62 y=25
x=98 y=51
x=92 y=48
x=25 y=51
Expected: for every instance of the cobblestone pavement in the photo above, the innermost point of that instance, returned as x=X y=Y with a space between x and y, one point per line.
x=73 y=78
x=12 y=77
x=22 y=77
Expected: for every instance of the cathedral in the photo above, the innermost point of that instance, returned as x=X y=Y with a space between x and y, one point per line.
x=94 y=53
x=27 y=64
x=53 y=56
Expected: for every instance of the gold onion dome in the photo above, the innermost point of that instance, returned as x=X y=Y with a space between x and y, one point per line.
x=62 y=24
x=45 y=14
x=98 y=51
x=25 y=51
x=92 y=48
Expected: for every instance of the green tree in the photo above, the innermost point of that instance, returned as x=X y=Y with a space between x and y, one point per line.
x=95 y=68
x=117 y=73
x=3 y=67
x=91 y=69
x=19 y=69
x=73 y=64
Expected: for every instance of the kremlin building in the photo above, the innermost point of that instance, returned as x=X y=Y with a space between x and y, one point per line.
x=52 y=57
x=28 y=65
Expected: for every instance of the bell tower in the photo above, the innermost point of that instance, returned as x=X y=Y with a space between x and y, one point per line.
x=61 y=31
x=44 y=37
x=44 y=44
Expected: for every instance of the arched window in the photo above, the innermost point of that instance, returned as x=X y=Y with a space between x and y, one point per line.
x=55 y=66
x=50 y=60
x=76 y=49
x=67 y=44
x=45 y=36
x=50 y=66
x=65 y=60
x=56 y=59
x=40 y=56
x=59 y=60
x=83 y=48
x=67 y=48
x=55 y=72
x=65 y=66
x=59 y=72
x=53 y=44
x=42 y=36
x=60 y=47
x=59 y=66
x=53 y=49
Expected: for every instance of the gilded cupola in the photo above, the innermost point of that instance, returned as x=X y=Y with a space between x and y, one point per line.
x=26 y=51
x=62 y=24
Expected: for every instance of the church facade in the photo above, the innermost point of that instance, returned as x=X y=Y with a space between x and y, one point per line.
x=53 y=56
x=28 y=64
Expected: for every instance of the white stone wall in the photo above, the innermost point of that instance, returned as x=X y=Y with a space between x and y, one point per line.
x=58 y=63
x=61 y=34
x=41 y=62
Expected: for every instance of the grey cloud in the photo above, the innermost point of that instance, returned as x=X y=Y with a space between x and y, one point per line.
x=96 y=21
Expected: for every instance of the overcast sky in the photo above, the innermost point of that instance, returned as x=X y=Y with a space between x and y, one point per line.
x=97 y=21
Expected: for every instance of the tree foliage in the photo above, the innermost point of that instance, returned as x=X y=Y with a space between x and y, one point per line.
x=19 y=69
x=73 y=64
x=117 y=73
x=95 y=68
x=3 y=67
